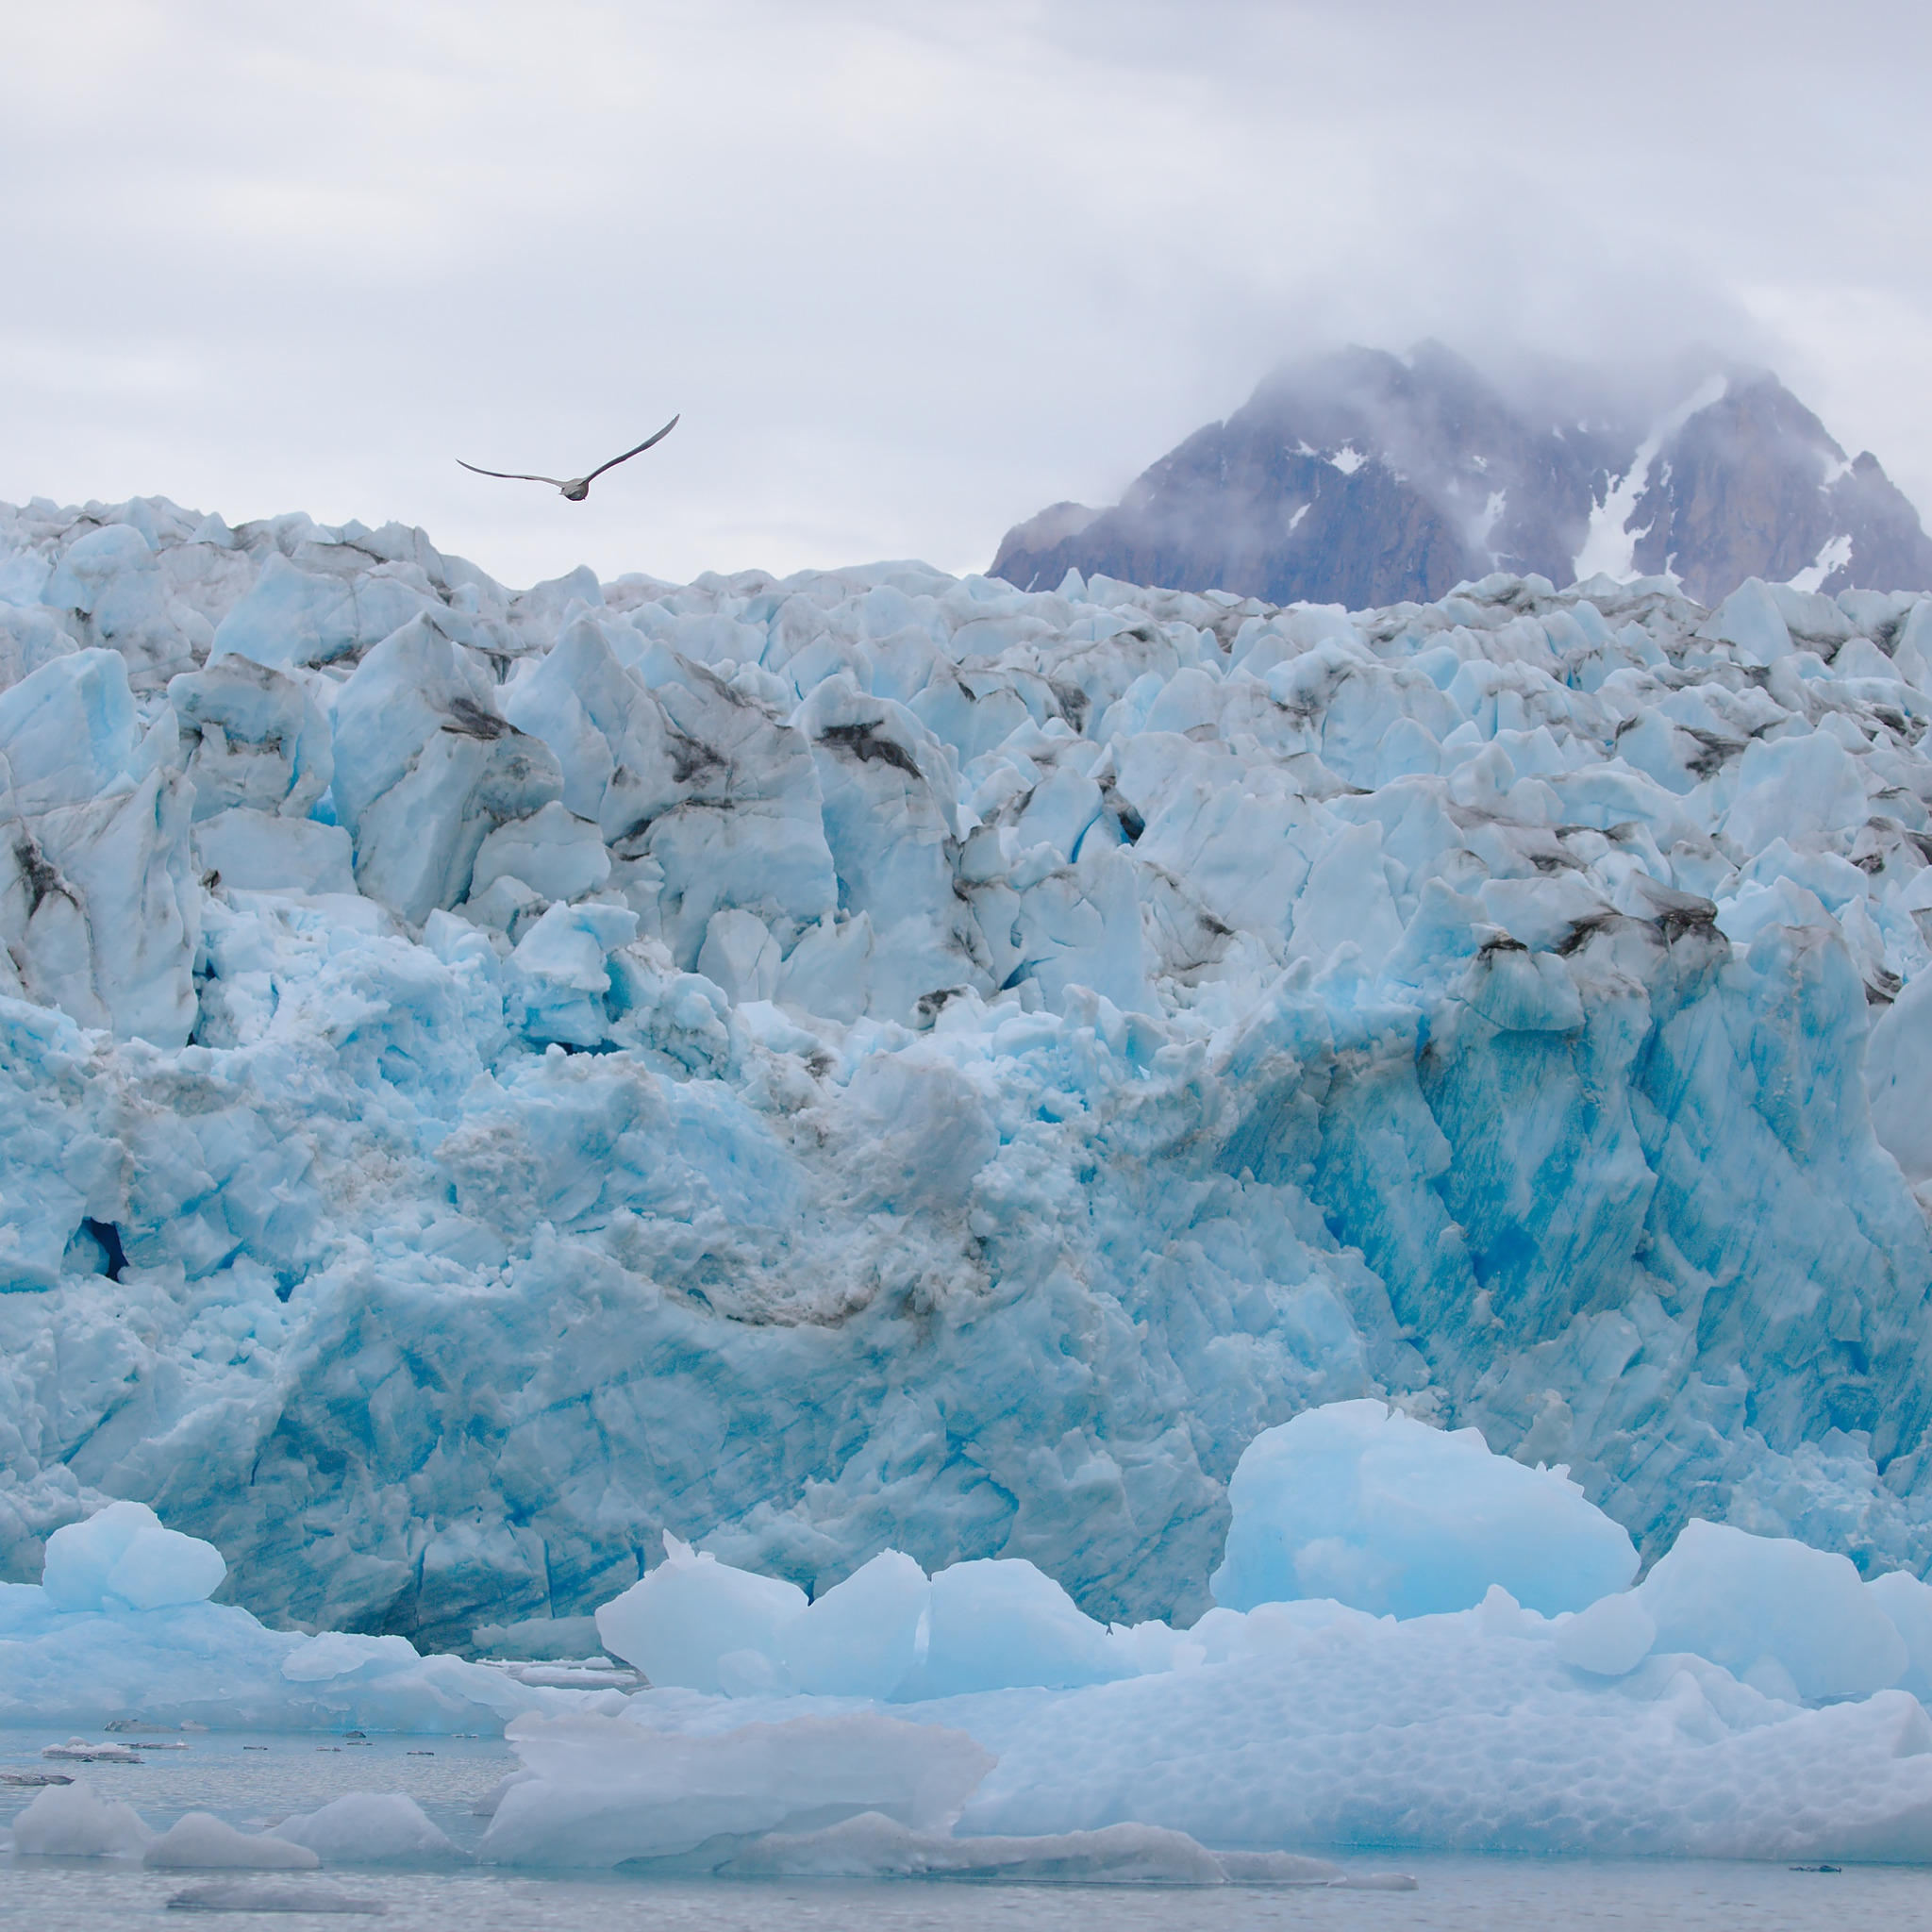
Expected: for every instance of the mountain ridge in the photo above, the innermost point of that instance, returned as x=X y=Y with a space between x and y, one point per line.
x=1365 y=479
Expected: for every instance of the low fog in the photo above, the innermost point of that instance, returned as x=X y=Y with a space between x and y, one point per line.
x=909 y=274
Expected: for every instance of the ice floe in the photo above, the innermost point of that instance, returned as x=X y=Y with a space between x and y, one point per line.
x=1749 y=1697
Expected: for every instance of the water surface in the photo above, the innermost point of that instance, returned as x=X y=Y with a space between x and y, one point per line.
x=256 y=1781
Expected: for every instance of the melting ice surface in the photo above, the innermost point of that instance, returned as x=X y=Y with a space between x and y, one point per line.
x=906 y=1081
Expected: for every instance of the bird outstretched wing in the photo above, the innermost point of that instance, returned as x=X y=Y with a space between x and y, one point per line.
x=639 y=451
x=513 y=476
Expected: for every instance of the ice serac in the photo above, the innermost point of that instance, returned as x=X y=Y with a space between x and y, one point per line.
x=874 y=1062
x=426 y=769
x=98 y=912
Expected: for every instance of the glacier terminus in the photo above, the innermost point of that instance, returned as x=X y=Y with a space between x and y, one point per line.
x=874 y=1075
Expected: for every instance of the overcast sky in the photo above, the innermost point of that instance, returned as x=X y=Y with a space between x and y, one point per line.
x=910 y=272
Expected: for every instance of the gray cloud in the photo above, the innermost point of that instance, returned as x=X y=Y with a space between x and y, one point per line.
x=910 y=274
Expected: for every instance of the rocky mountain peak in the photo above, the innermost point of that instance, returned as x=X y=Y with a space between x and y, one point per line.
x=1363 y=477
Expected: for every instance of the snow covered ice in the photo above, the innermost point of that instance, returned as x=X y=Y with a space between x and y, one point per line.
x=903 y=1081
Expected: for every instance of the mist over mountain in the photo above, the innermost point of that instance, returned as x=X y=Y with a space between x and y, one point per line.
x=1366 y=478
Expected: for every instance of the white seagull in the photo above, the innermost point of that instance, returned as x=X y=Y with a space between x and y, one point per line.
x=574 y=487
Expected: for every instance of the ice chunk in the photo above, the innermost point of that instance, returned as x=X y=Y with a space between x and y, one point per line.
x=293 y=616
x=340 y=1653
x=426 y=769
x=69 y=731
x=120 y=1629
x=200 y=1841
x=677 y=1620
x=1456 y=1732
x=618 y=753
x=1278 y=1868
x=366 y=1828
x=1898 y=1077
x=23 y=577
x=1805 y=791
x=250 y=737
x=28 y=638
x=1610 y=1638
x=100 y=912
x=121 y=1558
x=1908 y=1602
x=741 y=955
x=874 y=1846
x=1750 y=619
x=265 y=852
x=608 y=1792
x=232 y=1896
x=553 y=853
x=1000 y=1622
x=557 y=979
x=862 y=1637
x=70 y=1821
x=1738 y=1599
x=112 y=583
x=1346 y=899
x=1358 y=1502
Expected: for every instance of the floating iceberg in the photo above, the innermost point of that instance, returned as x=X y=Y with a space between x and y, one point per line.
x=70 y=1821
x=1745 y=1699
x=119 y=1631
x=1750 y=1697
x=200 y=1841
x=604 y=1793
x=122 y=1558
x=1369 y=1506
x=367 y=1828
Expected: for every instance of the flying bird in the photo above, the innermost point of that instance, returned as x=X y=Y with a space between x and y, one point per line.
x=574 y=487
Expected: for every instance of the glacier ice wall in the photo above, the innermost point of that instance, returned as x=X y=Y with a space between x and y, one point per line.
x=870 y=1059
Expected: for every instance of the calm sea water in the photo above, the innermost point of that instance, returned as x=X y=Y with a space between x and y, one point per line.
x=255 y=1780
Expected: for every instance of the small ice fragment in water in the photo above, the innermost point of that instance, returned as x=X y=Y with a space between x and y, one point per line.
x=367 y=1828
x=1277 y=1868
x=200 y=1839
x=71 y=1823
x=230 y=1896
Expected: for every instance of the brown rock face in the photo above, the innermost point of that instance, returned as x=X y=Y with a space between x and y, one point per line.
x=1753 y=486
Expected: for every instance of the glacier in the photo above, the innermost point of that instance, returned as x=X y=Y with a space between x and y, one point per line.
x=875 y=1062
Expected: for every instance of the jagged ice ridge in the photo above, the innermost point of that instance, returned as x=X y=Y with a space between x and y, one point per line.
x=874 y=1060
